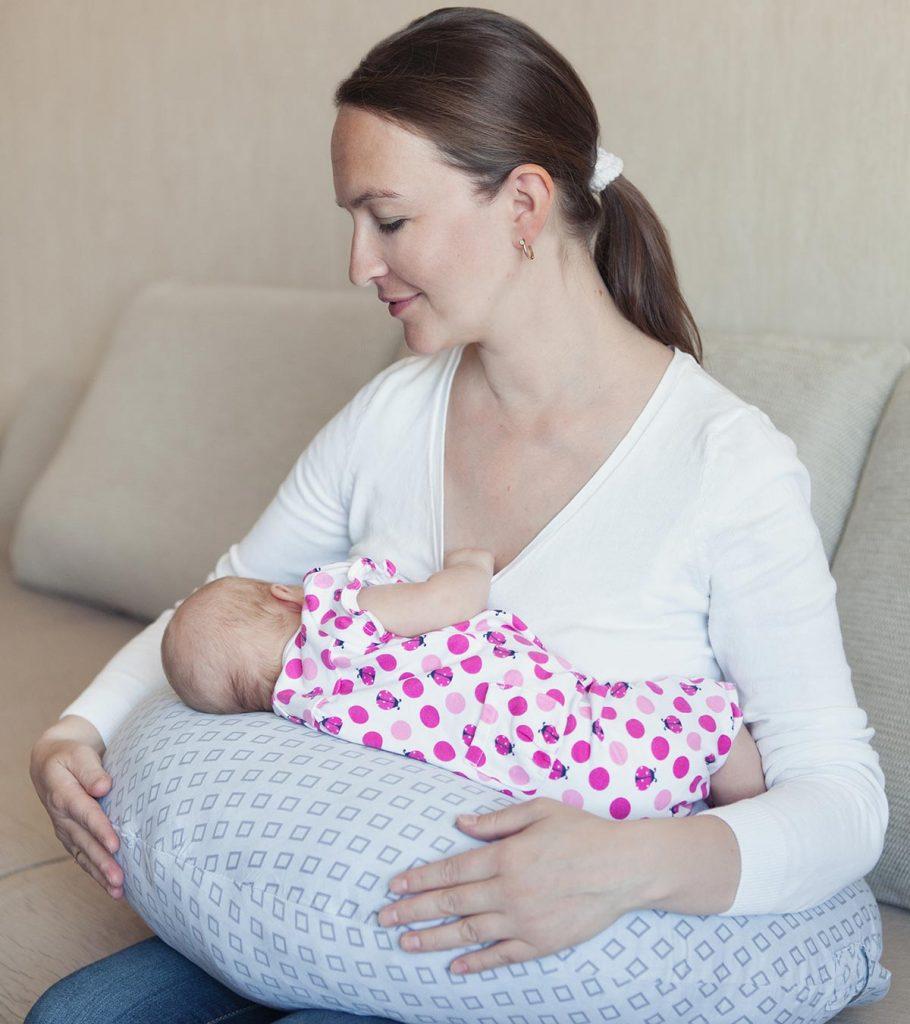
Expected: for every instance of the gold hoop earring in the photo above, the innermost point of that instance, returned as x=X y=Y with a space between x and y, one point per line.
x=528 y=250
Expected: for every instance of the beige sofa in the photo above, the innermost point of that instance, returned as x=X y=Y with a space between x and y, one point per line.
x=117 y=496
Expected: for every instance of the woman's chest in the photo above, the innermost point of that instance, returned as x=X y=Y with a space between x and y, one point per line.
x=500 y=494
x=507 y=489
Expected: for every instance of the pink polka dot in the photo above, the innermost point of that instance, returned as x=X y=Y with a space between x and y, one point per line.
x=444 y=751
x=581 y=751
x=618 y=752
x=513 y=677
x=454 y=703
x=488 y=714
x=681 y=704
x=358 y=714
x=294 y=668
x=653 y=686
x=525 y=733
x=541 y=673
x=401 y=730
x=734 y=709
x=539 y=656
x=457 y=644
x=693 y=785
x=480 y=692
x=541 y=758
x=620 y=808
x=716 y=703
x=545 y=702
x=413 y=687
x=429 y=715
x=681 y=767
x=343 y=621
x=372 y=739
x=298 y=640
x=387 y=662
x=635 y=729
x=323 y=579
x=472 y=665
x=660 y=748
x=573 y=798
x=662 y=799
x=585 y=711
x=517 y=706
x=430 y=662
x=644 y=704
x=608 y=712
x=694 y=741
x=558 y=696
x=570 y=725
x=476 y=756
x=707 y=723
x=599 y=778
x=723 y=744
x=518 y=775
x=311 y=601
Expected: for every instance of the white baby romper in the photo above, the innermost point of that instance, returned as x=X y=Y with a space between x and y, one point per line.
x=486 y=699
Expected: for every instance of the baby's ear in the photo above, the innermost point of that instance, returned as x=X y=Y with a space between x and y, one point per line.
x=284 y=592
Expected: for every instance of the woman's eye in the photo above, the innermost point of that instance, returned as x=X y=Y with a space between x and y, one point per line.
x=391 y=227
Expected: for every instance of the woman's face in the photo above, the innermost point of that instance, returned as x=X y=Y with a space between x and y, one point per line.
x=435 y=238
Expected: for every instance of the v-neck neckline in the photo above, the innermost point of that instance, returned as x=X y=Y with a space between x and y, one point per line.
x=670 y=374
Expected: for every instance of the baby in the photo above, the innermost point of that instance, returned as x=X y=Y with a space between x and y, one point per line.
x=425 y=669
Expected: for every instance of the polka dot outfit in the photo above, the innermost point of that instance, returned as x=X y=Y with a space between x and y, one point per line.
x=486 y=699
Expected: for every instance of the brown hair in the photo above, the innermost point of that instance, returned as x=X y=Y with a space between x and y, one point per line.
x=202 y=637
x=491 y=94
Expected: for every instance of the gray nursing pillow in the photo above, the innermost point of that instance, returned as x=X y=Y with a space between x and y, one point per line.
x=262 y=851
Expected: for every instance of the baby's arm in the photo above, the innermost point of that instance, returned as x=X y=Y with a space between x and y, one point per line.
x=457 y=592
x=742 y=774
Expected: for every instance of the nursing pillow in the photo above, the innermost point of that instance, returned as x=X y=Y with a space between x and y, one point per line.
x=262 y=851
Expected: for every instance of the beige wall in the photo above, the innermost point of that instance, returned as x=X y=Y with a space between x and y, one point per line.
x=143 y=139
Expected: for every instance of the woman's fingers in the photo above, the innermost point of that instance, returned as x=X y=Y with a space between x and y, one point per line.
x=91 y=856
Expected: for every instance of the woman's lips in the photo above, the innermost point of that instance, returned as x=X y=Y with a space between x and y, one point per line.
x=397 y=307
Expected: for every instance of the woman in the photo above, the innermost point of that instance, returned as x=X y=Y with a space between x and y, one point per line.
x=645 y=516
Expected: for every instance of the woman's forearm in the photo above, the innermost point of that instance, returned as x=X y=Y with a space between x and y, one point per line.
x=689 y=865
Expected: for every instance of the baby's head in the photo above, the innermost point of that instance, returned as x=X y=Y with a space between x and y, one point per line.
x=222 y=649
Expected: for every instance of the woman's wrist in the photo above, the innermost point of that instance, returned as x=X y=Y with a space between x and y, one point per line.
x=74 y=727
x=687 y=865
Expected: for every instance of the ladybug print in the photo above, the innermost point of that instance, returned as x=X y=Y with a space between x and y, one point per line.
x=504 y=745
x=387 y=701
x=476 y=699
x=549 y=733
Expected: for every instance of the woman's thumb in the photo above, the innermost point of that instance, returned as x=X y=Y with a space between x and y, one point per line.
x=95 y=780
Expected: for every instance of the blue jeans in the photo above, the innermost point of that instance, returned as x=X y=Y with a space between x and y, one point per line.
x=151 y=983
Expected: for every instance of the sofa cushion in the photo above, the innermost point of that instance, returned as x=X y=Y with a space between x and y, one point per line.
x=262 y=850
x=202 y=402
x=872 y=571
x=826 y=395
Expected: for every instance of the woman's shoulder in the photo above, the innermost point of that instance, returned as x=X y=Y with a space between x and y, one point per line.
x=725 y=420
x=403 y=387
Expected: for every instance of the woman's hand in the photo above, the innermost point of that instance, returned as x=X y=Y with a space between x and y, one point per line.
x=561 y=876
x=68 y=776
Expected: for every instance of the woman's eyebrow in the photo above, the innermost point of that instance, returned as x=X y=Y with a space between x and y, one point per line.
x=375 y=193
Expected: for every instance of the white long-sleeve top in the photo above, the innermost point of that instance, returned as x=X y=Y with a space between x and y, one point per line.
x=691 y=551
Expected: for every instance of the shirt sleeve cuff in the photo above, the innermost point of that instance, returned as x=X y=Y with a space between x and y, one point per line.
x=764 y=869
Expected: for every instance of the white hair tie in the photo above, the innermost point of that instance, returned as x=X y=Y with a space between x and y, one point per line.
x=607 y=168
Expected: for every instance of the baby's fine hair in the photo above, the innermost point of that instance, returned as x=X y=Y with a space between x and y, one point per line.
x=206 y=623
